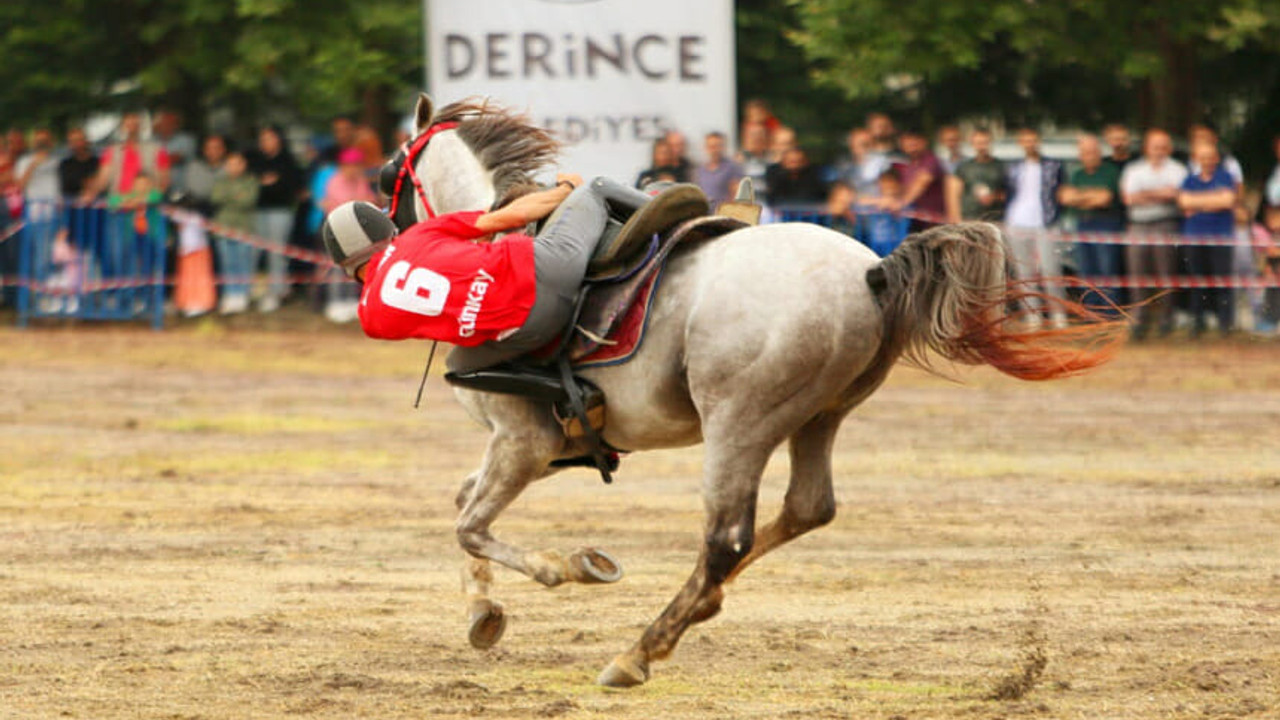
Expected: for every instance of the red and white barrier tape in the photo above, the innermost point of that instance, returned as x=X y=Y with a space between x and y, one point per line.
x=322 y=260
x=1146 y=281
x=88 y=286
x=180 y=215
x=11 y=230
x=1161 y=239
x=1131 y=237
x=1169 y=283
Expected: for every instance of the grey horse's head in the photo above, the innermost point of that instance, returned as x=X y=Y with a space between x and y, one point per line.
x=487 y=156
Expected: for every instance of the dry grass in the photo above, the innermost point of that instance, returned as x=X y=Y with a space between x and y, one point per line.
x=253 y=523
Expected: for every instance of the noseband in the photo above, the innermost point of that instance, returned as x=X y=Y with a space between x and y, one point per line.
x=401 y=168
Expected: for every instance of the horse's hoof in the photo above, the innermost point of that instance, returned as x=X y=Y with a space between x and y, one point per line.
x=488 y=622
x=592 y=566
x=624 y=672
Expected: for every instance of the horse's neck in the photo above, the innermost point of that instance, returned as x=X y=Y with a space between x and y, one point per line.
x=456 y=180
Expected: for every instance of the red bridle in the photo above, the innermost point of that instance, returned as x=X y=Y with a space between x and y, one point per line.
x=406 y=168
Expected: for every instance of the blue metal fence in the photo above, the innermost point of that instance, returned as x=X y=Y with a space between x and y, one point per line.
x=879 y=230
x=91 y=263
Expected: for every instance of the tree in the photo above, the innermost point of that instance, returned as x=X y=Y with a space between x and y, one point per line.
x=771 y=67
x=1155 y=52
x=48 y=71
x=306 y=59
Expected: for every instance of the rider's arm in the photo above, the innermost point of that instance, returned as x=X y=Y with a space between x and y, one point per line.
x=528 y=208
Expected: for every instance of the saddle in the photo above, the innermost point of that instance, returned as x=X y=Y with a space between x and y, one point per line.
x=610 y=318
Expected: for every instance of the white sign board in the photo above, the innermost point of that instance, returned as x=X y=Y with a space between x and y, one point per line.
x=608 y=77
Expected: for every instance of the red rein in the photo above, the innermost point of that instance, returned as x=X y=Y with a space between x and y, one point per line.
x=406 y=170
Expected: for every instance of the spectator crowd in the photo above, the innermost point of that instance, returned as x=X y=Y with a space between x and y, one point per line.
x=258 y=188
x=1140 y=221
x=1134 y=225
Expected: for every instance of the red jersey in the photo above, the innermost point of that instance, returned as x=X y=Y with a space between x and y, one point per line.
x=432 y=282
x=132 y=163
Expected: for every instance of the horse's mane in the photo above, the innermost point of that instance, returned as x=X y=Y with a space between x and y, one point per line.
x=505 y=141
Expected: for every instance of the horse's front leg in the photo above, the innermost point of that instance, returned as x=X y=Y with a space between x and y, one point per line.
x=510 y=465
x=487 y=618
x=524 y=442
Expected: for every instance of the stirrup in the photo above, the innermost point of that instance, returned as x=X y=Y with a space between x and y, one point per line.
x=612 y=458
x=743 y=206
x=593 y=407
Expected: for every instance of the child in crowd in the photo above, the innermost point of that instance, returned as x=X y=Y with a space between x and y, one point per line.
x=140 y=200
x=194 y=293
x=885 y=230
x=67 y=274
x=840 y=206
x=137 y=212
x=235 y=194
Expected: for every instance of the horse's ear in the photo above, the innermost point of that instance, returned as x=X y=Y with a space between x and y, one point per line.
x=424 y=111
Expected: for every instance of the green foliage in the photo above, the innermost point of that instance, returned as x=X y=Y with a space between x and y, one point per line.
x=862 y=43
x=822 y=64
x=870 y=48
x=42 y=76
x=312 y=57
x=772 y=68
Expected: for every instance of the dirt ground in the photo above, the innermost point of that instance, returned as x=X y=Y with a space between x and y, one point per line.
x=217 y=522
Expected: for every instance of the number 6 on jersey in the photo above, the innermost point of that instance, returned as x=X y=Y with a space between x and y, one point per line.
x=416 y=290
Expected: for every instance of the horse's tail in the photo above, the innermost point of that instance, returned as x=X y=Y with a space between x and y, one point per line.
x=947 y=290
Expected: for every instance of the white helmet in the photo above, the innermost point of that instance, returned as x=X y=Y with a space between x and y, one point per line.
x=354 y=232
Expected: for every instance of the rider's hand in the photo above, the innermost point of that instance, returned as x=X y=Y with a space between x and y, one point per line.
x=572 y=178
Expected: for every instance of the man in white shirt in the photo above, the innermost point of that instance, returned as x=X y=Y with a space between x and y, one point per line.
x=1149 y=188
x=37 y=171
x=951 y=155
x=1032 y=208
x=37 y=174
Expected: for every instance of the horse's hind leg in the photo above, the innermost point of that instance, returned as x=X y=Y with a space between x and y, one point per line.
x=732 y=481
x=810 y=502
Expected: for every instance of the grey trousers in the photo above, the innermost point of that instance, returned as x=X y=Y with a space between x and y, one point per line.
x=1038 y=259
x=273 y=225
x=1158 y=260
x=560 y=256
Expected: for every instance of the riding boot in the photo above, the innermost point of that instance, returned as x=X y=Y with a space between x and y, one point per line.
x=624 y=241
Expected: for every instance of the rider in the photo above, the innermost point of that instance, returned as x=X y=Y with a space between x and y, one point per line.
x=495 y=299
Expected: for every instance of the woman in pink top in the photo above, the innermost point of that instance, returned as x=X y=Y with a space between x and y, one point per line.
x=347 y=184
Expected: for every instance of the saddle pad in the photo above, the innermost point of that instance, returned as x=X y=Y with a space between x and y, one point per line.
x=627 y=333
x=613 y=320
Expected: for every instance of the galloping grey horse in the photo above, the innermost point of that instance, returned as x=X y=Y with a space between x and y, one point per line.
x=770 y=334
